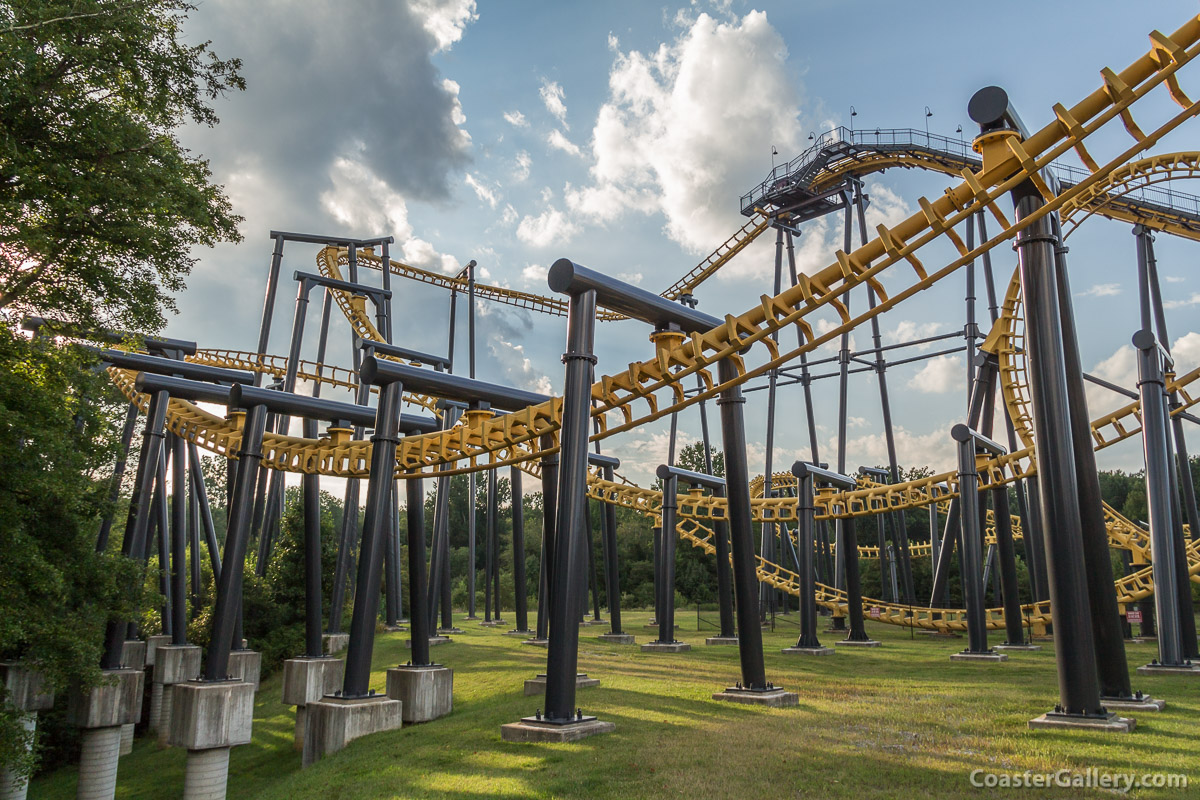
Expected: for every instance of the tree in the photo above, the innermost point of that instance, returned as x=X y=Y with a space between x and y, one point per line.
x=100 y=205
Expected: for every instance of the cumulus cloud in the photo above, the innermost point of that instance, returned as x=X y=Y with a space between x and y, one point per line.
x=909 y=331
x=516 y=119
x=634 y=278
x=1174 y=278
x=684 y=128
x=558 y=140
x=518 y=370
x=938 y=376
x=551 y=227
x=521 y=167
x=1101 y=290
x=484 y=193
x=935 y=448
x=444 y=20
x=554 y=98
x=421 y=253
x=1190 y=301
x=534 y=273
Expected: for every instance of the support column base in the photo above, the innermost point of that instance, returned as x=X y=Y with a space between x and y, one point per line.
x=307 y=680
x=1136 y=702
x=716 y=640
x=451 y=630
x=1109 y=724
x=538 y=685
x=434 y=641
x=530 y=729
x=857 y=643
x=152 y=644
x=595 y=621
x=490 y=623
x=397 y=628
x=1004 y=648
x=666 y=647
x=519 y=634
x=426 y=691
x=771 y=698
x=245 y=666
x=334 y=642
x=808 y=651
x=334 y=722
x=984 y=658
x=207 y=715
x=133 y=654
x=1163 y=669
x=537 y=642
x=616 y=638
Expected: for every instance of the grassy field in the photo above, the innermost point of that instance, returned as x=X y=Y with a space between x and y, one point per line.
x=897 y=721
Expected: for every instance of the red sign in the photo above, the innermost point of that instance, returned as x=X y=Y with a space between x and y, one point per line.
x=874 y=612
x=1133 y=615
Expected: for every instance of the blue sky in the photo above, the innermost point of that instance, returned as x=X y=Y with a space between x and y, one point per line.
x=621 y=135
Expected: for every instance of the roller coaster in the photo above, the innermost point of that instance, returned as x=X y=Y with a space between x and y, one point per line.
x=1053 y=198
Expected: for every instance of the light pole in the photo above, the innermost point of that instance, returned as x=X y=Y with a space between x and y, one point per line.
x=929 y=114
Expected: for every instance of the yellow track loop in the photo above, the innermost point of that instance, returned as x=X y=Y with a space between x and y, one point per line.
x=1145 y=172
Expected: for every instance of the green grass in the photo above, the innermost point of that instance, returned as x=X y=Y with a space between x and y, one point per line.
x=898 y=721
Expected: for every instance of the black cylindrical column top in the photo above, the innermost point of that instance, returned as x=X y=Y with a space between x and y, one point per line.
x=963 y=433
x=171 y=366
x=451 y=387
x=598 y=460
x=666 y=472
x=319 y=408
x=153 y=344
x=182 y=388
x=383 y=348
x=803 y=469
x=567 y=277
x=992 y=109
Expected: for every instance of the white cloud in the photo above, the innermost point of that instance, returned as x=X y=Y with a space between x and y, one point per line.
x=484 y=193
x=421 y=253
x=444 y=20
x=909 y=331
x=938 y=376
x=1174 y=278
x=362 y=200
x=516 y=119
x=534 y=273
x=509 y=215
x=553 y=96
x=521 y=168
x=517 y=368
x=456 y=113
x=551 y=227
x=634 y=278
x=558 y=140
x=1186 y=352
x=1191 y=301
x=1102 y=290
x=935 y=449
x=685 y=127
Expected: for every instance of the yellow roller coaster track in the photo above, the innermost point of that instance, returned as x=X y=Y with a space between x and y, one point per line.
x=481 y=441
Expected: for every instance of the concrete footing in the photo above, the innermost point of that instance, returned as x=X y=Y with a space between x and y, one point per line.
x=152 y=644
x=1138 y=702
x=488 y=623
x=127 y=732
x=15 y=786
x=666 y=647
x=516 y=634
x=857 y=643
x=334 y=722
x=334 y=642
x=1018 y=648
x=211 y=714
x=307 y=680
x=983 y=658
x=594 y=621
x=434 y=641
x=535 y=730
x=451 y=631
x=133 y=654
x=1154 y=668
x=721 y=640
x=245 y=666
x=173 y=664
x=1110 y=724
x=537 y=642
x=206 y=775
x=114 y=702
x=808 y=651
x=24 y=694
x=616 y=638
x=772 y=698
x=99 y=753
x=426 y=692
x=537 y=685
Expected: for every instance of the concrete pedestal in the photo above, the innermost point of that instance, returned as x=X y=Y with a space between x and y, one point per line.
x=114 y=702
x=1136 y=702
x=394 y=628
x=335 y=642
x=1017 y=648
x=616 y=638
x=1111 y=724
x=595 y=621
x=245 y=666
x=772 y=698
x=211 y=714
x=426 y=692
x=808 y=651
x=721 y=640
x=534 y=730
x=857 y=643
x=537 y=642
x=979 y=658
x=666 y=647
x=307 y=680
x=537 y=685
x=133 y=654
x=1154 y=668
x=334 y=722
x=152 y=644
x=519 y=634
x=450 y=631
x=173 y=664
x=434 y=641
x=490 y=623
x=26 y=696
